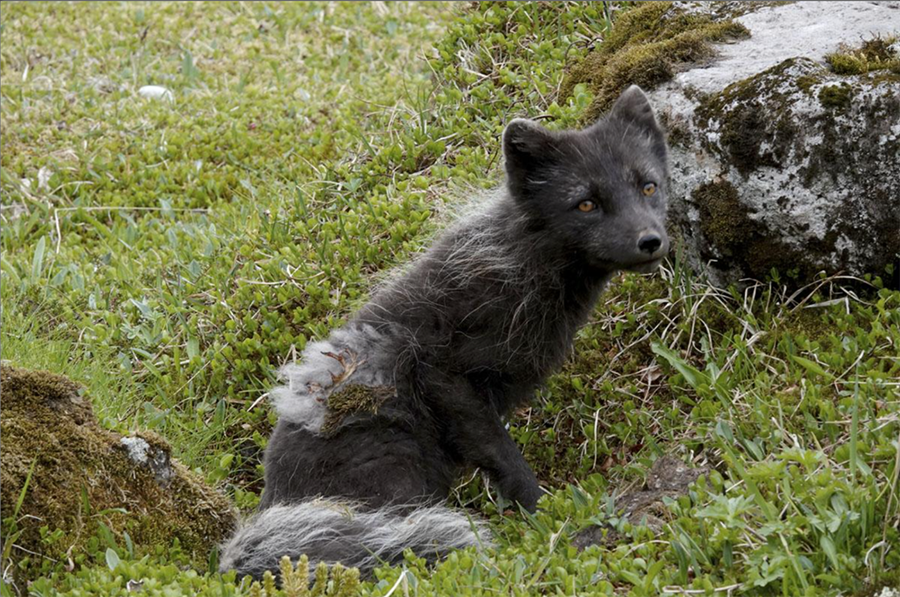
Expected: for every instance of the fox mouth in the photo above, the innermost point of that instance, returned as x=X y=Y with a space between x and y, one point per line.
x=645 y=267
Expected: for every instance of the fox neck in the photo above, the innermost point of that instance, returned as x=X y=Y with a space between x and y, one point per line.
x=569 y=288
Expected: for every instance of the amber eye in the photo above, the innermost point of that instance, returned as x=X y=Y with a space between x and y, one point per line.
x=649 y=189
x=587 y=206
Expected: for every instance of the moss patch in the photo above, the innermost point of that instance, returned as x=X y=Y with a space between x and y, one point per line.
x=646 y=47
x=745 y=109
x=83 y=477
x=723 y=219
x=354 y=399
x=837 y=97
x=727 y=225
x=807 y=82
x=874 y=54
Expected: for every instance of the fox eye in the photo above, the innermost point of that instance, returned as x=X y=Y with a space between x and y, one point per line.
x=649 y=189
x=587 y=206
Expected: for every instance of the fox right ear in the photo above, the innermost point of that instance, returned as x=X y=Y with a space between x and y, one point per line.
x=525 y=140
x=526 y=145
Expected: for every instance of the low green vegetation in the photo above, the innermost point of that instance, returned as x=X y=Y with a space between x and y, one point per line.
x=876 y=54
x=171 y=574
x=171 y=254
x=645 y=48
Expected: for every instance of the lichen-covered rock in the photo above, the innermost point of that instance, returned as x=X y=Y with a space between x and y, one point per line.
x=785 y=146
x=73 y=475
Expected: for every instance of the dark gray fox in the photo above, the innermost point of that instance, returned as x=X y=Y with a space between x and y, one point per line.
x=376 y=422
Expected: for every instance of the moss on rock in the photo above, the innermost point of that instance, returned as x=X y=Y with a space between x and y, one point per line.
x=806 y=146
x=723 y=219
x=80 y=475
x=837 y=97
x=744 y=112
x=737 y=238
x=646 y=47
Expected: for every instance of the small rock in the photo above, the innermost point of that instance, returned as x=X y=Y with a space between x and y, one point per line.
x=156 y=92
x=155 y=459
x=668 y=478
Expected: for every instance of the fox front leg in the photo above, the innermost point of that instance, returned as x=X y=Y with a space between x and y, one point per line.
x=475 y=431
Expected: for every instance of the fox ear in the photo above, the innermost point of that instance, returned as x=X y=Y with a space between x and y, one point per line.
x=526 y=146
x=634 y=107
x=525 y=140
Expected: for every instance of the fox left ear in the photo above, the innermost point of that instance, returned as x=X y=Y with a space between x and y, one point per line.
x=634 y=107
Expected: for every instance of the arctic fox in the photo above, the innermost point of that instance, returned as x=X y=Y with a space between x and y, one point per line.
x=377 y=421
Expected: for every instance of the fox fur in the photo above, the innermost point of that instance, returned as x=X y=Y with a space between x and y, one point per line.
x=460 y=339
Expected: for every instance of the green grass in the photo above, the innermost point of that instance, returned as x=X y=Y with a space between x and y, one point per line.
x=170 y=255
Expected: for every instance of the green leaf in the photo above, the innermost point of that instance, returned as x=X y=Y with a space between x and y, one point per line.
x=22 y=493
x=812 y=367
x=213 y=562
x=112 y=558
x=579 y=498
x=10 y=270
x=225 y=461
x=129 y=544
x=829 y=549
x=683 y=561
x=652 y=573
x=187 y=66
x=723 y=430
x=105 y=533
x=144 y=308
x=691 y=374
x=219 y=417
x=631 y=577
x=85 y=501
x=37 y=262
x=60 y=277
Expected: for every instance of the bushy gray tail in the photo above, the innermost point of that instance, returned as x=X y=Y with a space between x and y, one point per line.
x=333 y=531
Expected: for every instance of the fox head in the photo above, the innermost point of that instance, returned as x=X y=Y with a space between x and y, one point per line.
x=601 y=191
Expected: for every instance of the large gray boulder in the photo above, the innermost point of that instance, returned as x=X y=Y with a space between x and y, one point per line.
x=784 y=128
x=778 y=160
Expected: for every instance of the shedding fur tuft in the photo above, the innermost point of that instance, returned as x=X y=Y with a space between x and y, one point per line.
x=333 y=531
x=351 y=355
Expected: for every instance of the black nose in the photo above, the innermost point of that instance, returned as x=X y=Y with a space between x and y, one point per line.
x=649 y=244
